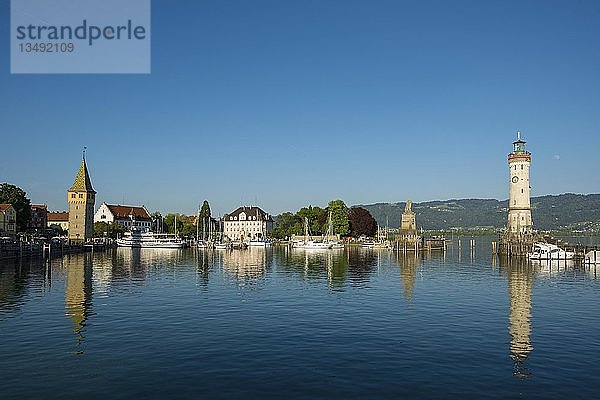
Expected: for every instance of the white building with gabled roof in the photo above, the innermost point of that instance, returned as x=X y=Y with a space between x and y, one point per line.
x=247 y=223
x=127 y=216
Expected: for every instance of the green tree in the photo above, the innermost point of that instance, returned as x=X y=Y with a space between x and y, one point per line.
x=188 y=226
x=286 y=225
x=339 y=217
x=185 y=225
x=317 y=218
x=113 y=230
x=11 y=194
x=204 y=221
x=100 y=228
x=169 y=223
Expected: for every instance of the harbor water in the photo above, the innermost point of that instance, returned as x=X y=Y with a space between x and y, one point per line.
x=296 y=324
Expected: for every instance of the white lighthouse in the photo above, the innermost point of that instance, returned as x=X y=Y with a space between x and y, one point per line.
x=519 y=226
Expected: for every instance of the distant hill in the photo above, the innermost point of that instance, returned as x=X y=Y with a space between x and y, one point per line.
x=565 y=211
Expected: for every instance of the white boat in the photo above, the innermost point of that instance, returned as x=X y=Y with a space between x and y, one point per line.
x=315 y=244
x=222 y=245
x=310 y=244
x=592 y=257
x=148 y=239
x=204 y=244
x=259 y=243
x=238 y=244
x=337 y=245
x=547 y=251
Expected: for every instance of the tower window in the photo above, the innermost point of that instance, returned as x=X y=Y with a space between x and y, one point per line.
x=81 y=195
x=521 y=190
x=72 y=195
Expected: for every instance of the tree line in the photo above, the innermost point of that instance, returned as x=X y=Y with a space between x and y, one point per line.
x=353 y=221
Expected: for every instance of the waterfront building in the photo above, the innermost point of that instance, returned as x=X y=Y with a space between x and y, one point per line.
x=518 y=236
x=247 y=223
x=39 y=218
x=408 y=227
x=8 y=220
x=58 y=220
x=128 y=216
x=81 y=197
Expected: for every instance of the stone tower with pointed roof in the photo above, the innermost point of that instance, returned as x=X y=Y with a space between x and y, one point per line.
x=81 y=198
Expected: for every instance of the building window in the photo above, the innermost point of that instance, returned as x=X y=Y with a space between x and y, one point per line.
x=81 y=195
x=72 y=195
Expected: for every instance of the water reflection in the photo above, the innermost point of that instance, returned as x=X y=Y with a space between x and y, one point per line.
x=408 y=273
x=246 y=265
x=552 y=267
x=12 y=288
x=17 y=279
x=520 y=285
x=204 y=261
x=78 y=296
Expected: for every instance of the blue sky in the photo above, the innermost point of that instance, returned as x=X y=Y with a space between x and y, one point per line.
x=289 y=103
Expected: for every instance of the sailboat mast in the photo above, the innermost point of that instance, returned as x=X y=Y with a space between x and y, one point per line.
x=198 y=223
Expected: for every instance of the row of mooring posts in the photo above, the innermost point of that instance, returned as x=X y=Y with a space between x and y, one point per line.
x=431 y=245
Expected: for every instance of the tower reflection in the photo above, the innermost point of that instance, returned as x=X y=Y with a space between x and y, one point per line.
x=408 y=273
x=520 y=285
x=78 y=296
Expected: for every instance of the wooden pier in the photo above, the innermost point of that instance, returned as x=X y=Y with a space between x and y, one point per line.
x=46 y=249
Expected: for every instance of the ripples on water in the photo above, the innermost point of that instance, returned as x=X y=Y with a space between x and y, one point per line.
x=353 y=323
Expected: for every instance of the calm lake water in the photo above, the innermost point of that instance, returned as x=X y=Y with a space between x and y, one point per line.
x=281 y=323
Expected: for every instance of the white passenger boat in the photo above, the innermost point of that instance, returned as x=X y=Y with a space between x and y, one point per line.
x=147 y=239
x=547 y=251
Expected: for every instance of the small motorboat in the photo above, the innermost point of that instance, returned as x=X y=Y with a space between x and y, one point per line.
x=547 y=251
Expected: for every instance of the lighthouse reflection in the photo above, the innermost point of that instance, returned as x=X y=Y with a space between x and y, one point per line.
x=520 y=285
